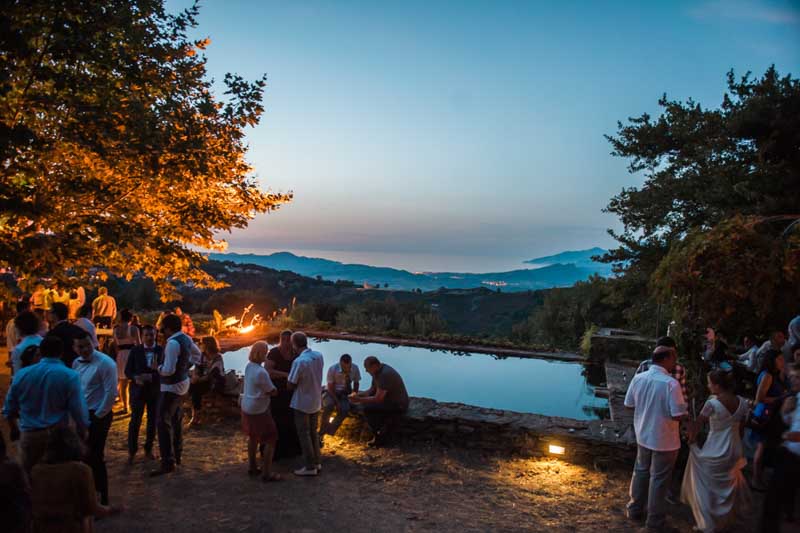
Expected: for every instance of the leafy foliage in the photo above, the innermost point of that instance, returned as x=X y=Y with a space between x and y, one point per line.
x=704 y=233
x=115 y=154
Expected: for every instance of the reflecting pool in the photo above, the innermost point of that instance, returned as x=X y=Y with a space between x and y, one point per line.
x=541 y=386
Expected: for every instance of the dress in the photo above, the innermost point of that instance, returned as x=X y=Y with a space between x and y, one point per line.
x=126 y=337
x=713 y=484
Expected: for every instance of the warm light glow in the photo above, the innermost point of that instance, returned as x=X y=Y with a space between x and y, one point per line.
x=247 y=329
x=556 y=450
x=330 y=420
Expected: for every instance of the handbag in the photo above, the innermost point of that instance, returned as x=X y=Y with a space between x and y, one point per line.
x=759 y=417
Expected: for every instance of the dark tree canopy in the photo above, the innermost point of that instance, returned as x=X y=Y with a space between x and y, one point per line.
x=721 y=187
x=115 y=154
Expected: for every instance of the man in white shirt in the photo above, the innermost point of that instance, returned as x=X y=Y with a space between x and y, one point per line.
x=98 y=376
x=180 y=352
x=104 y=308
x=305 y=378
x=12 y=335
x=659 y=405
x=343 y=379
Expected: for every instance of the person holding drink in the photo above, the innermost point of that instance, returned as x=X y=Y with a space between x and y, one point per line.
x=142 y=370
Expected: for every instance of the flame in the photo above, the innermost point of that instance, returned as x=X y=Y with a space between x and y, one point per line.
x=247 y=329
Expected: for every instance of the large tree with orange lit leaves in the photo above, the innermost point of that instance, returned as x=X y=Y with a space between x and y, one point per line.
x=116 y=156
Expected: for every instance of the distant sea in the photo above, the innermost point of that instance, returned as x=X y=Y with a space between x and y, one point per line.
x=413 y=262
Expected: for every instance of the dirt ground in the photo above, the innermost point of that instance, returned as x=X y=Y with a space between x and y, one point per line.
x=405 y=488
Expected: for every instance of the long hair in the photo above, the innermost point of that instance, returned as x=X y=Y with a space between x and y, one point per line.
x=770 y=362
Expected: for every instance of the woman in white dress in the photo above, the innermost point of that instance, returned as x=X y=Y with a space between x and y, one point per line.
x=126 y=336
x=713 y=485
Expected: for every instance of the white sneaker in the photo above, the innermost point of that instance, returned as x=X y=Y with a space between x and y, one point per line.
x=319 y=468
x=305 y=472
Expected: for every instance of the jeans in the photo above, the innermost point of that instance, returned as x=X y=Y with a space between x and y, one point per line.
x=96 y=457
x=650 y=484
x=306 y=425
x=377 y=417
x=170 y=429
x=144 y=399
x=782 y=491
x=328 y=405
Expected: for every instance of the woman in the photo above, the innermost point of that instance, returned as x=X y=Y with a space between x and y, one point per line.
x=208 y=376
x=64 y=496
x=771 y=390
x=126 y=336
x=257 y=421
x=713 y=484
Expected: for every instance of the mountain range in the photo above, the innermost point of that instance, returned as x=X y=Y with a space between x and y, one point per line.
x=560 y=270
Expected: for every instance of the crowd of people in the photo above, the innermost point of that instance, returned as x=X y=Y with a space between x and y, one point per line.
x=713 y=482
x=64 y=390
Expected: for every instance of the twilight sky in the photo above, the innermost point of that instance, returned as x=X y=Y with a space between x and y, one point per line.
x=467 y=135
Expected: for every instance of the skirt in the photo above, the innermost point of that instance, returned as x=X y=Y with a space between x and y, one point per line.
x=122 y=361
x=260 y=427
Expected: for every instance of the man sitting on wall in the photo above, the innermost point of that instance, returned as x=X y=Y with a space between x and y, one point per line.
x=384 y=401
x=343 y=380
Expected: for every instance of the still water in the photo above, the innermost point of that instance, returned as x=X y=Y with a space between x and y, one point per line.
x=539 y=386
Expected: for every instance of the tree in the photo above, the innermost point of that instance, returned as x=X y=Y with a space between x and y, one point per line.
x=116 y=157
x=704 y=169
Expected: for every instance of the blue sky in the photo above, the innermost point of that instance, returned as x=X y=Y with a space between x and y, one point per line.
x=466 y=135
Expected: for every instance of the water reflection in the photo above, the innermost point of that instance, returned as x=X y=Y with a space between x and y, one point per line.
x=551 y=388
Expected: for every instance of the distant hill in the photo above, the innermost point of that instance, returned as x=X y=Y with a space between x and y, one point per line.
x=575 y=266
x=579 y=258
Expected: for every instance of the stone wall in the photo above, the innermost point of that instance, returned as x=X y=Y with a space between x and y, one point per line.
x=597 y=443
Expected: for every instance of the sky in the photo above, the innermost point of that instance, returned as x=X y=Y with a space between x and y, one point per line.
x=468 y=135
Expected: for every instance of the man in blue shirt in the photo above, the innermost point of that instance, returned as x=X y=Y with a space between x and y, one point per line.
x=44 y=396
x=98 y=374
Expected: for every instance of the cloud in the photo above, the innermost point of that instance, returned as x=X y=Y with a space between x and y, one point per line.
x=752 y=10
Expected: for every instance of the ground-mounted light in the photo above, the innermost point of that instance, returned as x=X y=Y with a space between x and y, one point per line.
x=555 y=449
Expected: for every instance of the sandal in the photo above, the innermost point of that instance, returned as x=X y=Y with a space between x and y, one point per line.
x=272 y=477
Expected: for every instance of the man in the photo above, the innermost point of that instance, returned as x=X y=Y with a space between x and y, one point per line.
x=343 y=379
x=748 y=358
x=305 y=378
x=180 y=352
x=142 y=370
x=12 y=335
x=98 y=373
x=27 y=325
x=782 y=490
x=42 y=397
x=64 y=330
x=679 y=372
x=104 y=309
x=39 y=297
x=384 y=401
x=278 y=364
x=87 y=325
x=794 y=338
x=776 y=342
x=659 y=406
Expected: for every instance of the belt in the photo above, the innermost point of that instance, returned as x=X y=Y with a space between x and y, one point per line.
x=40 y=430
x=125 y=346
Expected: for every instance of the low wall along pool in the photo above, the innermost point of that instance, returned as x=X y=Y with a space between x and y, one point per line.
x=551 y=388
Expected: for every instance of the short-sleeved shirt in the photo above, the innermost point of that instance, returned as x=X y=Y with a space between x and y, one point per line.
x=389 y=380
x=257 y=386
x=656 y=398
x=306 y=374
x=341 y=380
x=679 y=373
